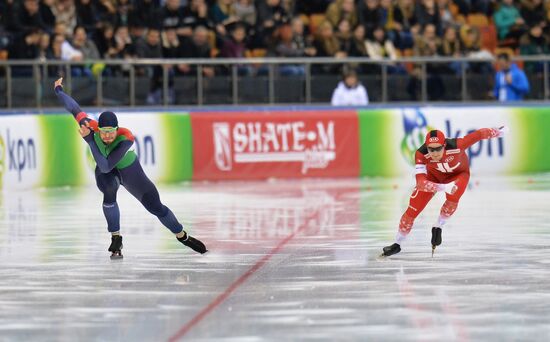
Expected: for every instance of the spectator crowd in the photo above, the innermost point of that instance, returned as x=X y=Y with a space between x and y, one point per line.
x=80 y=30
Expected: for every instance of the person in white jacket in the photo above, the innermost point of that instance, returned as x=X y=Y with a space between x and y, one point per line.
x=350 y=92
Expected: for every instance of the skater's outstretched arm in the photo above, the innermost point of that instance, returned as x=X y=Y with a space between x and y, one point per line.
x=481 y=134
x=72 y=106
x=105 y=164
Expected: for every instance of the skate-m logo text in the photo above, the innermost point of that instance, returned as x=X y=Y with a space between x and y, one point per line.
x=416 y=127
x=20 y=156
x=268 y=142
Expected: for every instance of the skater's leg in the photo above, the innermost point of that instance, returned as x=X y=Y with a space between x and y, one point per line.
x=417 y=203
x=137 y=183
x=108 y=184
x=451 y=202
x=448 y=208
x=141 y=187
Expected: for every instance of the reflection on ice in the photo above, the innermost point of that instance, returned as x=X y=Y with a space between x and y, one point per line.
x=305 y=251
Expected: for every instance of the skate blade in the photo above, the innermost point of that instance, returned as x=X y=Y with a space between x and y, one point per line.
x=433 y=250
x=382 y=257
x=116 y=256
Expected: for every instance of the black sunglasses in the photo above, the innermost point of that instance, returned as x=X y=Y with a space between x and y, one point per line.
x=435 y=149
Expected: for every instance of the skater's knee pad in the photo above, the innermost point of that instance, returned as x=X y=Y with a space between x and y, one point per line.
x=151 y=202
x=448 y=208
x=406 y=223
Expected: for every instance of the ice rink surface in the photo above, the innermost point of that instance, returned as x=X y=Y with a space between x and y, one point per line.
x=289 y=260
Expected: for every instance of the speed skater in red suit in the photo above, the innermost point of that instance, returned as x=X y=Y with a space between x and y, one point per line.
x=441 y=165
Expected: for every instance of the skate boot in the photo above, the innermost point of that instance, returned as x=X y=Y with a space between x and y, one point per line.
x=436 y=238
x=390 y=250
x=193 y=243
x=116 y=246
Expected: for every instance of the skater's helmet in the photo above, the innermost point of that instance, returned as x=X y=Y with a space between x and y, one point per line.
x=107 y=119
x=435 y=137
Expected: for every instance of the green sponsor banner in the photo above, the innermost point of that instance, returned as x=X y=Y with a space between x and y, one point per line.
x=376 y=129
x=178 y=148
x=61 y=148
x=530 y=129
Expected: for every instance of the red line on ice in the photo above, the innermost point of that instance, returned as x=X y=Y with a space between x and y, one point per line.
x=223 y=296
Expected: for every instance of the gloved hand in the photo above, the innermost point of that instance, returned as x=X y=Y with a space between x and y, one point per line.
x=502 y=130
x=449 y=188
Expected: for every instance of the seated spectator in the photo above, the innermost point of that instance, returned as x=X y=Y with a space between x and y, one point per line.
x=46 y=14
x=358 y=46
x=144 y=14
x=340 y=10
x=25 y=47
x=106 y=10
x=24 y=18
x=445 y=15
x=327 y=45
x=54 y=53
x=428 y=43
x=370 y=15
x=60 y=28
x=65 y=12
x=124 y=42
x=245 y=11
x=451 y=46
x=286 y=47
x=171 y=16
x=345 y=36
x=350 y=92
x=87 y=16
x=511 y=84
x=83 y=44
x=196 y=47
x=5 y=38
x=222 y=15
x=392 y=21
x=299 y=38
x=471 y=45
x=427 y=12
x=196 y=14
x=151 y=48
x=123 y=9
x=380 y=47
x=70 y=53
x=270 y=15
x=312 y=6
x=105 y=42
x=171 y=45
x=235 y=46
x=407 y=16
x=533 y=12
x=44 y=45
x=535 y=42
x=508 y=21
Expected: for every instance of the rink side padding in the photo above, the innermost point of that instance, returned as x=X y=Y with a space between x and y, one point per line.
x=39 y=150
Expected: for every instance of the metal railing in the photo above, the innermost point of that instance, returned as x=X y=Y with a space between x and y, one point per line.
x=41 y=71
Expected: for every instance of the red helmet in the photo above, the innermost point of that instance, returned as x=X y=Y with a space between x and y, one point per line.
x=435 y=137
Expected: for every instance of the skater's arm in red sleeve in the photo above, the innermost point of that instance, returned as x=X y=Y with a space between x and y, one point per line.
x=72 y=106
x=476 y=136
